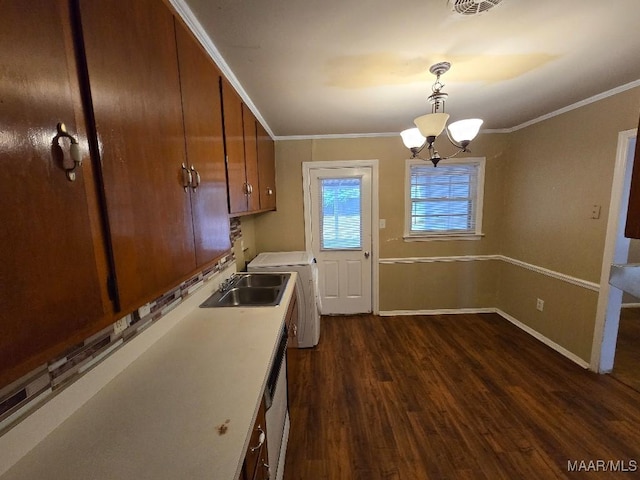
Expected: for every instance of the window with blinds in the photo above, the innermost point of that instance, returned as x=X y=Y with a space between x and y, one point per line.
x=340 y=225
x=445 y=200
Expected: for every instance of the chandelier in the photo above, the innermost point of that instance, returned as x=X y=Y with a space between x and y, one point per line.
x=431 y=125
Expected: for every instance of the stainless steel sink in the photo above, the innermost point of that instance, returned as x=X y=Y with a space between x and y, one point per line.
x=250 y=290
x=261 y=280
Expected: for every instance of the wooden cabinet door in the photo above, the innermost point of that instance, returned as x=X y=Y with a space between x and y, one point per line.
x=234 y=145
x=202 y=111
x=251 y=158
x=132 y=67
x=292 y=322
x=632 y=227
x=266 y=169
x=53 y=273
x=256 y=455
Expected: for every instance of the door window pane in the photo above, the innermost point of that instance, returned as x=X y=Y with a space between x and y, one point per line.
x=340 y=226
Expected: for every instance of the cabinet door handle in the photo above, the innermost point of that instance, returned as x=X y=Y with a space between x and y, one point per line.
x=261 y=440
x=74 y=151
x=186 y=177
x=250 y=189
x=269 y=191
x=196 y=177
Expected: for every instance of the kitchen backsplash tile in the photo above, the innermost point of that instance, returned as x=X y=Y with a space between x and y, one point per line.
x=236 y=228
x=20 y=397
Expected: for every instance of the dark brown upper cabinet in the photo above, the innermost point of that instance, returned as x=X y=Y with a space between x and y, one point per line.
x=202 y=110
x=132 y=66
x=251 y=159
x=632 y=228
x=266 y=169
x=250 y=156
x=53 y=272
x=234 y=143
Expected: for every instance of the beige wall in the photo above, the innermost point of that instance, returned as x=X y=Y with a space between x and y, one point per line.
x=417 y=287
x=541 y=182
x=439 y=285
x=283 y=230
x=568 y=318
x=556 y=171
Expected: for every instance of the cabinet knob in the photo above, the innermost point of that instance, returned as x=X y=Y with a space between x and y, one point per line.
x=269 y=191
x=266 y=466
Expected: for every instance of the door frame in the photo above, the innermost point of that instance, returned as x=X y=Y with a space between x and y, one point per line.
x=616 y=249
x=375 y=230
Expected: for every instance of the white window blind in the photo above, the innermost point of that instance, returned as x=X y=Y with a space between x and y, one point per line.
x=444 y=200
x=340 y=226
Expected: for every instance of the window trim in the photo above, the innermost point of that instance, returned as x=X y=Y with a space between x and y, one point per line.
x=426 y=237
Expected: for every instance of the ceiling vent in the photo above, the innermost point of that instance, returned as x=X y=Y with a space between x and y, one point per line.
x=472 y=7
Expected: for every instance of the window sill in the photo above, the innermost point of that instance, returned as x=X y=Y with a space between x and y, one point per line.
x=435 y=238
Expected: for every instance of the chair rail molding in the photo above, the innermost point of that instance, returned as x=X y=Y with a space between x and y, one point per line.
x=513 y=261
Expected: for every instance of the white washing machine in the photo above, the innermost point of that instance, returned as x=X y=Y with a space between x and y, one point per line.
x=304 y=264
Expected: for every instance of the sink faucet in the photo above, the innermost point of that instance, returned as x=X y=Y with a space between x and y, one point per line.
x=225 y=284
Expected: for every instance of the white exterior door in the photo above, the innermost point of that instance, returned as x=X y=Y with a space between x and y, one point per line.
x=339 y=203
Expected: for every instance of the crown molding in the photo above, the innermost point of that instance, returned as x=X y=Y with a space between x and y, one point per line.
x=199 y=32
x=337 y=135
x=568 y=108
x=555 y=113
x=574 y=106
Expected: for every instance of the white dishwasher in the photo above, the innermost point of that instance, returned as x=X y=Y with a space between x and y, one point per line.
x=277 y=409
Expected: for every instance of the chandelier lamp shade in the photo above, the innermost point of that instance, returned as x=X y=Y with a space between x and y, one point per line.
x=430 y=126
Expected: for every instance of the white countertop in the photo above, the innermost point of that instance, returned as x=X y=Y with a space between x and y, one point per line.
x=158 y=418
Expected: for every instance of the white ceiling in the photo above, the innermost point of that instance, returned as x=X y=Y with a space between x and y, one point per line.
x=321 y=67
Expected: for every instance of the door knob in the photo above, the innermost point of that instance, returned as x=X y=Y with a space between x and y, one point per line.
x=366 y=254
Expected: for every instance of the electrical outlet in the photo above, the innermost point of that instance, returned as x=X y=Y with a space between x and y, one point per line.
x=120 y=325
x=540 y=305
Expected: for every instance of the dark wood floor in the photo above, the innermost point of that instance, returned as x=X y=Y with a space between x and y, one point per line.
x=450 y=397
x=626 y=367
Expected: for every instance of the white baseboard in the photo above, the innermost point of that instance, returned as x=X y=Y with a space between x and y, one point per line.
x=535 y=334
x=441 y=311
x=550 y=343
